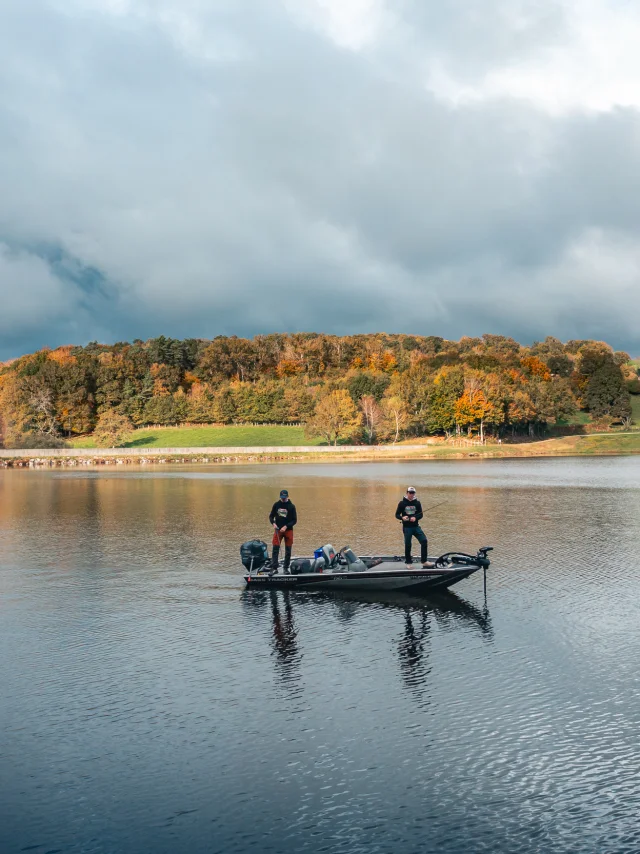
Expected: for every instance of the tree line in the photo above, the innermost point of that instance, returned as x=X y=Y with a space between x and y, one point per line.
x=363 y=388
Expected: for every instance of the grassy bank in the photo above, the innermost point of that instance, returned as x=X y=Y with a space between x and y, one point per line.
x=255 y=438
x=565 y=446
x=589 y=445
x=594 y=444
x=597 y=444
x=238 y=436
x=247 y=436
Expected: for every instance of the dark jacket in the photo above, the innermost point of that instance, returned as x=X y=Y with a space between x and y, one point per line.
x=409 y=508
x=283 y=513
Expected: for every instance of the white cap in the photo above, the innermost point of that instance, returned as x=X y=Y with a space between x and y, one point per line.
x=411 y=489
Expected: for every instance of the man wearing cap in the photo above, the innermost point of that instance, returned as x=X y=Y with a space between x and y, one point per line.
x=283 y=517
x=409 y=512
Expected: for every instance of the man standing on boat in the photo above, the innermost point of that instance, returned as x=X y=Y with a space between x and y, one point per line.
x=283 y=517
x=409 y=512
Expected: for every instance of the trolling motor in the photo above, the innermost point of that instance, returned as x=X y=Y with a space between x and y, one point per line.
x=462 y=559
x=482 y=558
x=455 y=559
x=484 y=561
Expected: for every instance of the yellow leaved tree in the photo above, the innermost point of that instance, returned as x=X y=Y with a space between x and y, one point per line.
x=474 y=408
x=336 y=417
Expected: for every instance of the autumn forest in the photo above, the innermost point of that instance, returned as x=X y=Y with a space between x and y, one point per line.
x=361 y=388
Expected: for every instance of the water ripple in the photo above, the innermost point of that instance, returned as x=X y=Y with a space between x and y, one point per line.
x=150 y=704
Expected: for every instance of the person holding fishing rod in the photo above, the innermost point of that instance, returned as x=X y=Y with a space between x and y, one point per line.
x=283 y=517
x=409 y=512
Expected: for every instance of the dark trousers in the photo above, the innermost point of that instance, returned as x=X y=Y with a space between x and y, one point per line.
x=417 y=532
x=278 y=537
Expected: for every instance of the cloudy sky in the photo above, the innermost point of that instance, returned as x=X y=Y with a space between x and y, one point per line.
x=205 y=167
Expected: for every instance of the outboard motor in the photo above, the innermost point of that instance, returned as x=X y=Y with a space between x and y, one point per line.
x=254 y=555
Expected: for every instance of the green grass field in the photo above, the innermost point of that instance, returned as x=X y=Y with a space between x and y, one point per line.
x=211 y=437
x=577 y=419
x=242 y=436
x=607 y=444
x=585 y=445
x=583 y=418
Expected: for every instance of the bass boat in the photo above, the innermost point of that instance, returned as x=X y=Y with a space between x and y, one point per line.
x=331 y=570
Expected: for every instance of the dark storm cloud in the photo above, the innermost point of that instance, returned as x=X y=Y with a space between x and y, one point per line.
x=340 y=167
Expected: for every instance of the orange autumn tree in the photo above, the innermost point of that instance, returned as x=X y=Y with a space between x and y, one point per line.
x=383 y=362
x=474 y=408
x=289 y=368
x=521 y=410
x=536 y=367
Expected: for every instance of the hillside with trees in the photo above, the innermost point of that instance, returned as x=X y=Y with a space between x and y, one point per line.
x=361 y=388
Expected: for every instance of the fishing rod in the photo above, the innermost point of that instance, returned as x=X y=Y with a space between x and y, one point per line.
x=434 y=506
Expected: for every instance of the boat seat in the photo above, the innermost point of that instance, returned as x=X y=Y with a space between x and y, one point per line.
x=300 y=565
x=330 y=556
x=354 y=564
x=304 y=566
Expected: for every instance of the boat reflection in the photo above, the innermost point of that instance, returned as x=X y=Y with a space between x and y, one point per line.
x=446 y=607
x=419 y=616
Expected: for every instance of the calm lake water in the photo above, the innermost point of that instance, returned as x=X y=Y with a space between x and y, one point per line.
x=150 y=705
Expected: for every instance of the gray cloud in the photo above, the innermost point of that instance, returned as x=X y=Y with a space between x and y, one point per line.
x=251 y=167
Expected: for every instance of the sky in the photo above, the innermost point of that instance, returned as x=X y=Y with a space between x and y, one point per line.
x=195 y=168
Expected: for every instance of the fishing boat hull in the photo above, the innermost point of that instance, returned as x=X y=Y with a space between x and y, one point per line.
x=382 y=578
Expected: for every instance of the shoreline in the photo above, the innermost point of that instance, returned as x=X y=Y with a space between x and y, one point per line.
x=599 y=444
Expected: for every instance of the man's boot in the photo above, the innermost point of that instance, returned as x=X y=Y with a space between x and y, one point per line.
x=274 y=558
x=287 y=558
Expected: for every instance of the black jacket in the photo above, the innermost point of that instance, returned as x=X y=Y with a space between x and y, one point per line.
x=409 y=508
x=283 y=513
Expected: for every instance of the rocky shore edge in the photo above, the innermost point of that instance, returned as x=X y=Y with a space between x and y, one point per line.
x=161 y=459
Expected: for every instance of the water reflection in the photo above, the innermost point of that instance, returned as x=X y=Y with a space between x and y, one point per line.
x=283 y=630
x=411 y=651
x=285 y=633
x=416 y=614
x=140 y=682
x=447 y=607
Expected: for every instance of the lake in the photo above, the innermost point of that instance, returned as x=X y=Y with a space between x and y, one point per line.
x=150 y=704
